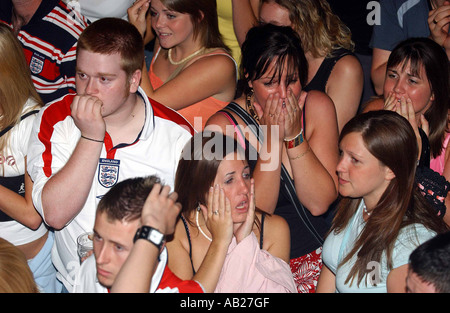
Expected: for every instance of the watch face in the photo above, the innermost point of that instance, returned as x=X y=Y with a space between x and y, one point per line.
x=155 y=236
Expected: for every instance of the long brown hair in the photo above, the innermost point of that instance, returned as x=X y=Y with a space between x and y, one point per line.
x=390 y=138
x=198 y=167
x=427 y=53
x=16 y=86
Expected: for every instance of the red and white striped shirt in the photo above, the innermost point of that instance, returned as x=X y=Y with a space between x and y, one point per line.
x=49 y=42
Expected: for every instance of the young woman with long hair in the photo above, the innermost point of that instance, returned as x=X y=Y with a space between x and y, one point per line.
x=20 y=223
x=192 y=70
x=383 y=216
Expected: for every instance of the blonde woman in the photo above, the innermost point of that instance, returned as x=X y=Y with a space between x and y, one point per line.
x=20 y=223
x=15 y=275
x=333 y=68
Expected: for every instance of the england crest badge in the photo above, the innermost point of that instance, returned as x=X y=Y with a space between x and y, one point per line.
x=108 y=172
x=37 y=63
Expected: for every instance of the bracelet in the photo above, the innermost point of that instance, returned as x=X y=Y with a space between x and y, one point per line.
x=302 y=154
x=294 y=142
x=87 y=138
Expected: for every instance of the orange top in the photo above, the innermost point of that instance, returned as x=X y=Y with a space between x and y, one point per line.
x=198 y=113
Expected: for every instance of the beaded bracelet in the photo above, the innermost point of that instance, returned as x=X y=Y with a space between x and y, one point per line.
x=294 y=142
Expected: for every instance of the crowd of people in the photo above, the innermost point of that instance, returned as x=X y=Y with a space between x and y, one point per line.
x=258 y=146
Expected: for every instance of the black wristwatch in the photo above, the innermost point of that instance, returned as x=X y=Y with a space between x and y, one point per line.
x=151 y=234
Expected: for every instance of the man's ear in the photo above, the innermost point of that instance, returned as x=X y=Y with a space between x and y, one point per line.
x=135 y=81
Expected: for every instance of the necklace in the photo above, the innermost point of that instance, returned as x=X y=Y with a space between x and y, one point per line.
x=198 y=226
x=367 y=212
x=249 y=106
x=169 y=55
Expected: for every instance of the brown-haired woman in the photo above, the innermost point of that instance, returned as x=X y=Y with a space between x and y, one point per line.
x=192 y=70
x=382 y=217
x=221 y=239
x=326 y=40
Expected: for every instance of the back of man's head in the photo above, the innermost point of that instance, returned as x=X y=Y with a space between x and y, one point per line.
x=431 y=262
x=124 y=201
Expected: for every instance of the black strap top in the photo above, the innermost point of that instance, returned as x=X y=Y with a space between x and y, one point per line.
x=319 y=81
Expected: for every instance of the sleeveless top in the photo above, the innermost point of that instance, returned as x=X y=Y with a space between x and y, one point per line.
x=307 y=231
x=437 y=164
x=203 y=109
x=186 y=227
x=320 y=80
x=226 y=28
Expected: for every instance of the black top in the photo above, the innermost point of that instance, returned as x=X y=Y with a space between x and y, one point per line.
x=319 y=81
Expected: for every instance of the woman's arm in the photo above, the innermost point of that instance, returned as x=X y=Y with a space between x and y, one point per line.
x=314 y=161
x=20 y=208
x=396 y=280
x=277 y=237
x=378 y=70
x=209 y=76
x=345 y=87
x=245 y=16
x=326 y=282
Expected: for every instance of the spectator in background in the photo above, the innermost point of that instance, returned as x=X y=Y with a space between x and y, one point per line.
x=192 y=70
x=48 y=31
x=429 y=266
x=332 y=66
x=400 y=20
x=417 y=85
x=94 y=10
x=20 y=223
x=360 y=19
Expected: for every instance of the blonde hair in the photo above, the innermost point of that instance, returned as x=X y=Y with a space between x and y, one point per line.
x=15 y=274
x=16 y=86
x=320 y=30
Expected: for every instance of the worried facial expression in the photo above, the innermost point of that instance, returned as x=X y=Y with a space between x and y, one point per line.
x=403 y=82
x=233 y=175
x=101 y=76
x=271 y=83
x=113 y=241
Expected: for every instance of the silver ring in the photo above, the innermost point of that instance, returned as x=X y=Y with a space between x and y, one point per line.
x=216 y=212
